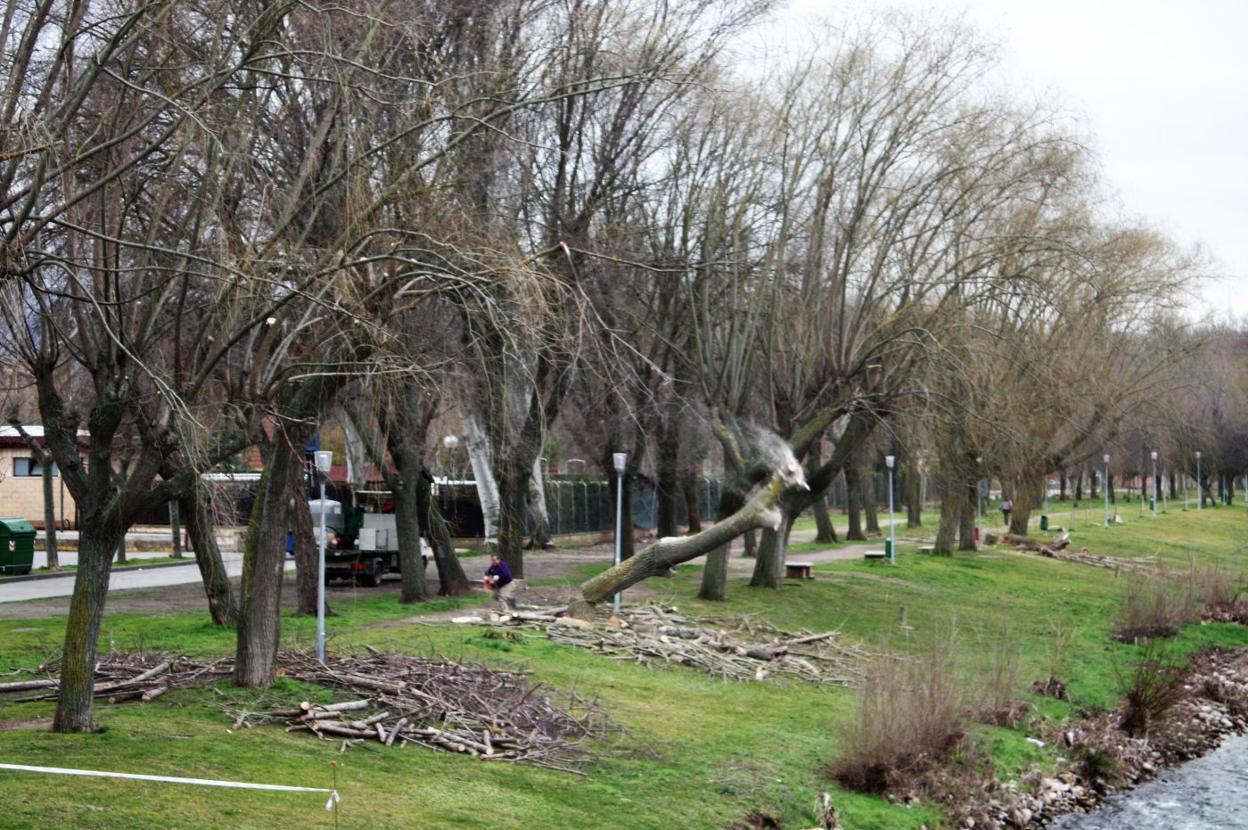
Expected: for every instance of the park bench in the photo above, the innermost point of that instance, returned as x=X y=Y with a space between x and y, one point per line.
x=927 y=549
x=874 y=554
x=798 y=570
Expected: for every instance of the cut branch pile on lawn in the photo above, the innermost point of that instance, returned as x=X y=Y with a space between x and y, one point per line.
x=491 y=714
x=486 y=713
x=738 y=649
x=121 y=677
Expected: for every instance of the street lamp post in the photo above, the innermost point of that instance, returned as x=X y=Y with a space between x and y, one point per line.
x=324 y=460
x=892 y=525
x=1152 y=500
x=1200 y=487
x=620 y=461
x=1105 y=486
x=979 y=500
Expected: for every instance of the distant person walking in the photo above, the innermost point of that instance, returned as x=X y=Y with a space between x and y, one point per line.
x=1007 y=507
x=499 y=580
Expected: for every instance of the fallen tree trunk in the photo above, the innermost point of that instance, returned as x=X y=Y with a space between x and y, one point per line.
x=760 y=510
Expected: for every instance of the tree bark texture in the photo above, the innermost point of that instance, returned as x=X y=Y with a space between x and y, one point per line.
x=49 y=516
x=264 y=555
x=407 y=524
x=537 y=506
x=97 y=542
x=853 y=502
x=914 y=499
x=759 y=511
x=966 y=518
x=870 y=508
x=199 y=527
x=667 y=477
x=307 y=548
x=689 y=484
x=483 y=473
x=825 y=532
x=715 y=574
x=175 y=530
x=946 y=530
x=772 y=550
x=513 y=484
x=452 y=581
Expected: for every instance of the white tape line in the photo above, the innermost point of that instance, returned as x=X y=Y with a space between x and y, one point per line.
x=170 y=779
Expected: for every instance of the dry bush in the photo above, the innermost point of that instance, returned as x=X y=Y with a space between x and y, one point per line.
x=1150 y=689
x=909 y=719
x=1219 y=594
x=1153 y=605
x=997 y=684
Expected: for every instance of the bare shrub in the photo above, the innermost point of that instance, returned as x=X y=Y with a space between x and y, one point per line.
x=1153 y=605
x=908 y=719
x=1150 y=689
x=997 y=683
x=1218 y=594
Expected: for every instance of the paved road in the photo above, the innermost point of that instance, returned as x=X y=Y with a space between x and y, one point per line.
x=121 y=580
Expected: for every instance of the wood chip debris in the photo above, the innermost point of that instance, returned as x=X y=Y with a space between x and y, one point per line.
x=738 y=648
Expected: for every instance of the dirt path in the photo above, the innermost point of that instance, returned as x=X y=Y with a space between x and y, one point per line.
x=541 y=566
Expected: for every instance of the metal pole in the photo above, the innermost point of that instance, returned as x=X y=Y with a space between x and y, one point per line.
x=1105 y=487
x=619 y=532
x=1153 y=495
x=892 y=524
x=320 y=584
x=889 y=461
x=620 y=461
x=1200 y=490
x=324 y=461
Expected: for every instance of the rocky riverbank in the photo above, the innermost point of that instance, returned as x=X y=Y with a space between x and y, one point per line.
x=1100 y=758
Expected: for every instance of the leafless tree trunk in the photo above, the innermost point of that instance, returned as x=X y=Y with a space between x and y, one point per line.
x=196 y=506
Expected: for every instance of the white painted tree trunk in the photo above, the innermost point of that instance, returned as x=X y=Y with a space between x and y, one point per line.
x=537 y=503
x=483 y=472
x=357 y=456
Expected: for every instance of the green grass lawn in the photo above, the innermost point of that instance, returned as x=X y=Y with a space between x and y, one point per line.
x=696 y=752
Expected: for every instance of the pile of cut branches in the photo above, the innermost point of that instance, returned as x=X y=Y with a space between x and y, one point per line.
x=738 y=649
x=486 y=713
x=121 y=677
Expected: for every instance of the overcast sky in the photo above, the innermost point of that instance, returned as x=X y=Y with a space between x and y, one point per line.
x=1161 y=85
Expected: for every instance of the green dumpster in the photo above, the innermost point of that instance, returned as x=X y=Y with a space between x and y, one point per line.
x=17 y=546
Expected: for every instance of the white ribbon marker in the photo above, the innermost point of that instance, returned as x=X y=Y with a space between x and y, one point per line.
x=171 y=779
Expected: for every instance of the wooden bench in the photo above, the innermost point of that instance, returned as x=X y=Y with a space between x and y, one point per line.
x=927 y=549
x=798 y=570
x=874 y=555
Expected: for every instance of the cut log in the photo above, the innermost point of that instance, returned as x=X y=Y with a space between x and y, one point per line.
x=759 y=511
x=27 y=685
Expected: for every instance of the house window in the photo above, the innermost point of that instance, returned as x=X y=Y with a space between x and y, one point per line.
x=28 y=467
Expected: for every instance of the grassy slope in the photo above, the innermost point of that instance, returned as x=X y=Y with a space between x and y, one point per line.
x=698 y=752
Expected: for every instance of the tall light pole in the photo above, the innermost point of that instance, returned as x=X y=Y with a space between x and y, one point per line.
x=324 y=460
x=979 y=500
x=620 y=462
x=1200 y=487
x=892 y=525
x=1105 y=486
x=1152 y=500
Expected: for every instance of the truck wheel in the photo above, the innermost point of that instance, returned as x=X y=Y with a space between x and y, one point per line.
x=371 y=577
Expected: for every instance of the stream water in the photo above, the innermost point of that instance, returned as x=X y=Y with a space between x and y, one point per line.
x=1210 y=792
